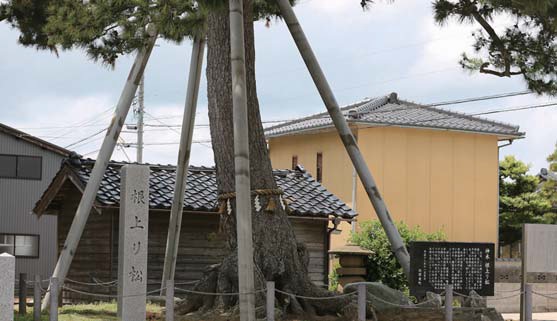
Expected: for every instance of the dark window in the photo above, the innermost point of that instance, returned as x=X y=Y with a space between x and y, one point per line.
x=319 y=171
x=294 y=161
x=18 y=166
x=8 y=166
x=29 y=167
x=20 y=245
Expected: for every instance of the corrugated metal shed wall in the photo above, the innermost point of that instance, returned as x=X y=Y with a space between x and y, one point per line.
x=17 y=198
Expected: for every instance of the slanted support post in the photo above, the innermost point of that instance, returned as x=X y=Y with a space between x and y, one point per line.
x=107 y=148
x=241 y=162
x=188 y=122
x=346 y=136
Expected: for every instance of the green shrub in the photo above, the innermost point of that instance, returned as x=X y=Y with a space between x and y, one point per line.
x=333 y=278
x=382 y=266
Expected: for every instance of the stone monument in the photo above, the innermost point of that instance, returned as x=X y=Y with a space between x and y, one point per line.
x=132 y=242
x=7 y=282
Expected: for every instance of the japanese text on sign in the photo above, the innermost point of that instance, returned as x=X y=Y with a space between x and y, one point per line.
x=466 y=266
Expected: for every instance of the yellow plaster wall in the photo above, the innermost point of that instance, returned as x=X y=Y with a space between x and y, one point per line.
x=439 y=180
x=434 y=179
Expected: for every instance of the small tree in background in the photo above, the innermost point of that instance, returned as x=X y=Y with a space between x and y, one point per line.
x=521 y=200
x=382 y=266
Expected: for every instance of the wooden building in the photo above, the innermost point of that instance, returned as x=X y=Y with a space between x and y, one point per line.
x=311 y=207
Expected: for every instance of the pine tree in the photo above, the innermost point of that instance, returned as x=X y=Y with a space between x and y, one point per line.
x=525 y=46
x=106 y=30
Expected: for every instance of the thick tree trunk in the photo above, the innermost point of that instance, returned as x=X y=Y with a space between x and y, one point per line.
x=277 y=254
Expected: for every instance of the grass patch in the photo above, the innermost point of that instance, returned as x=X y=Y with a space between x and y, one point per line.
x=95 y=311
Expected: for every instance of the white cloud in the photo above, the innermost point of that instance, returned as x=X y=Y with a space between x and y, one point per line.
x=67 y=120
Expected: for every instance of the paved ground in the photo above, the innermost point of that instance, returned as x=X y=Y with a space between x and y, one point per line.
x=551 y=316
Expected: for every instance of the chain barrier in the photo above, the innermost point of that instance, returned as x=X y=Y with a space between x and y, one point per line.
x=111 y=296
x=546 y=295
x=218 y=294
x=491 y=299
x=508 y=291
x=316 y=298
x=103 y=284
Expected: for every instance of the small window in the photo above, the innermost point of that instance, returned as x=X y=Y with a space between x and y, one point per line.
x=294 y=161
x=8 y=166
x=18 y=166
x=319 y=167
x=20 y=245
x=29 y=167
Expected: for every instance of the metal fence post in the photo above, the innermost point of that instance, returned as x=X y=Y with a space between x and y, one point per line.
x=169 y=300
x=22 y=293
x=448 y=302
x=54 y=289
x=528 y=302
x=270 y=301
x=362 y=302
x=37 y=298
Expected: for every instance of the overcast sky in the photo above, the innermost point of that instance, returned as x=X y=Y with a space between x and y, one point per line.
x=390 y=48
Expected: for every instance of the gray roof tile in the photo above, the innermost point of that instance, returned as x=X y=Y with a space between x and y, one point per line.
x=306 y=197
x=382 y=111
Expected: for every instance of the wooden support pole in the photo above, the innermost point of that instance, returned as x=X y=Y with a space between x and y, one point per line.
x=22 y=293
x=37 y=298
x=107 y=148
x=346 y=136
x=362 y=302
x=241 y=162
x=188 y=122
x=54 y=290
x=169 y=306
x=449 y=303
x=270 y=301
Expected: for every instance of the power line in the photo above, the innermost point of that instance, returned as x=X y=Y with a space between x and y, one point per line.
x=481 y=98
x=208 y=125
x=489 y=112
x=89 y=153
x=162 y=123
x=86 y=138
x=88 y=122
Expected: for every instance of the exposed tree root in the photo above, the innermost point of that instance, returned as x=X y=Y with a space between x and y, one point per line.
x=222 y=278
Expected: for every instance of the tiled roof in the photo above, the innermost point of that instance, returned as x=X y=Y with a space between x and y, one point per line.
x=305 y=196
x=390 y=111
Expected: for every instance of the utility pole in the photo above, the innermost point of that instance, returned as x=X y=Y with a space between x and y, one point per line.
x=140 y=112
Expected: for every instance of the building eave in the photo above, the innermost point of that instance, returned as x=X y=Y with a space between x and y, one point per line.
x=364 y=124
x=17 y=134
